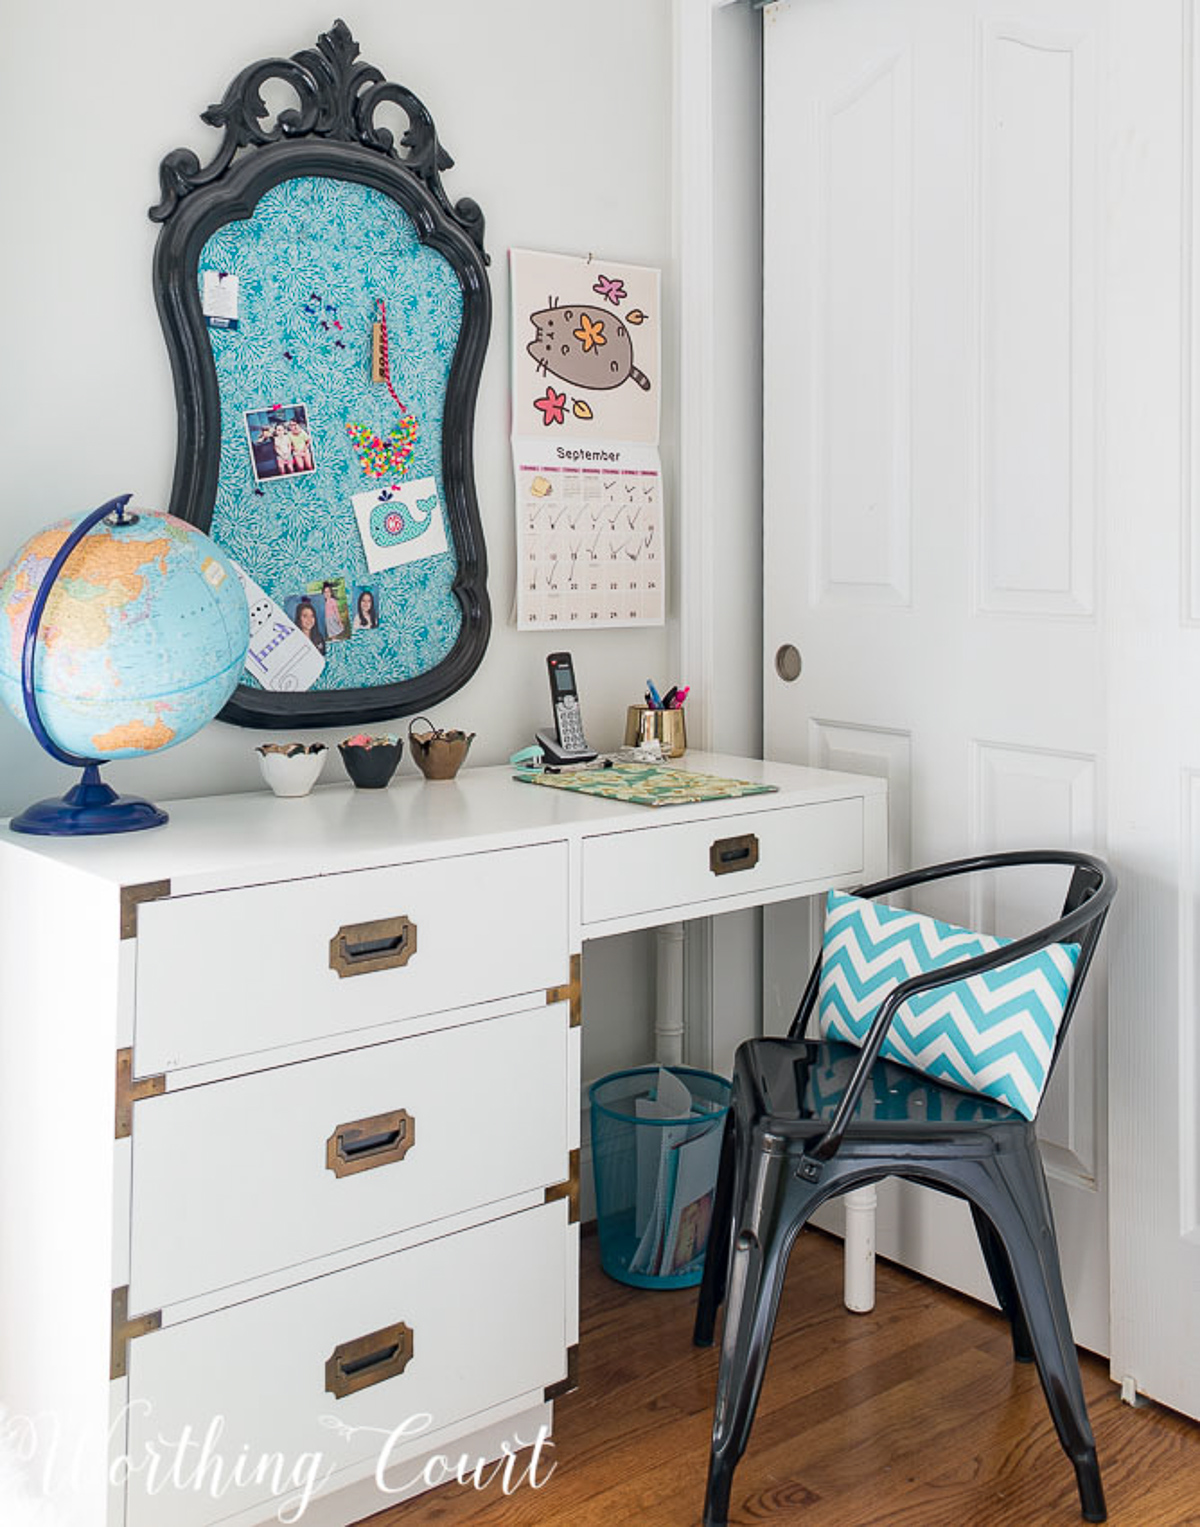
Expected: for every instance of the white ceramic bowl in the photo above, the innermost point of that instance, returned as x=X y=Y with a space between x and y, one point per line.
x=292 y=774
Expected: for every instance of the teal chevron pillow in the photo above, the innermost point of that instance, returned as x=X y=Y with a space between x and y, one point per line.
x=992 y=1034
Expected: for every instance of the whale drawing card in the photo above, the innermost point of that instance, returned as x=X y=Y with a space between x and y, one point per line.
x=401 y=522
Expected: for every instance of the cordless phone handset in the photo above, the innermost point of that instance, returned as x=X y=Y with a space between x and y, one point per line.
x=568 y=744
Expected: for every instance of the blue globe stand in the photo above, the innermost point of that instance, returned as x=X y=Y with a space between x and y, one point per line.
x=91 y=806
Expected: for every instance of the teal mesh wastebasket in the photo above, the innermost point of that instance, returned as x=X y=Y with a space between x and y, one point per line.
x=656 y=1146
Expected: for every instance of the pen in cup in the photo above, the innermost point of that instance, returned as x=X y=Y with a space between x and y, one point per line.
x=672 y=700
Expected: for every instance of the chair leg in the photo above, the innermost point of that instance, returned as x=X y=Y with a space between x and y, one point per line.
x=1000 y=1273
x=716 y=1258
x=1018 y=1207
x=756 y=1275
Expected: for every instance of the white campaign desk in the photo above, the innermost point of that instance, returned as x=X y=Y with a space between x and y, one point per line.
x=289 y=1111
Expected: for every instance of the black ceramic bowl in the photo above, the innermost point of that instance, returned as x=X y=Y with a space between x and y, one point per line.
x=371 y=768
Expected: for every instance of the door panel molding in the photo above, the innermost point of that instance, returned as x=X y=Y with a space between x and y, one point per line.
x=861 y=326
x=1189 y=994
x=878 y=750
x=1024 y=795
x=1190 y=326
x=1034 y=270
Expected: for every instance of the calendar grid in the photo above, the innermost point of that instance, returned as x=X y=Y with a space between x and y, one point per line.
x=591 y=547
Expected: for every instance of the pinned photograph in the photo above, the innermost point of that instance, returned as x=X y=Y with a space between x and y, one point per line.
x=366 y=608
x=401 y=523
x=280 y=441
x=302 y=610
x=329 y=594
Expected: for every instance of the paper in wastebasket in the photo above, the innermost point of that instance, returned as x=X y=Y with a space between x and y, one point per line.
x=677 y=1171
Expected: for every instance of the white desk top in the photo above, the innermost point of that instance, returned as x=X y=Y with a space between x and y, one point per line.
x=252 y=838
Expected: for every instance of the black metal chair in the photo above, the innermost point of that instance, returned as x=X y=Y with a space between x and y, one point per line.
x=811 y=1119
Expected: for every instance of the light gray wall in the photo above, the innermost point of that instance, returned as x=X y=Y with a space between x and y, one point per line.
x=737 y=258
x=559 y=117
x=724 y=958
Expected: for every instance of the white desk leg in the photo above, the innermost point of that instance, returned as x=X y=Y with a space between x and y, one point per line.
x=859 y=1250
x=668 y=1015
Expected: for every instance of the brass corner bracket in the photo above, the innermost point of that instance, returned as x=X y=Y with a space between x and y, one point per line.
x=131 y=1090
x=132 y=897
x=571 y=991
x=124 y=1330
x=568 y=1189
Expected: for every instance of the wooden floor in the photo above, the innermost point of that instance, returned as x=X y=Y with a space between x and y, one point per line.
x=912 y=1416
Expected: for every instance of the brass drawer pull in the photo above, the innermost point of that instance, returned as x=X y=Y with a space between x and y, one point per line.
x=728 y=855
x=356 y=949
x=367 y=1360
x=372 y=1142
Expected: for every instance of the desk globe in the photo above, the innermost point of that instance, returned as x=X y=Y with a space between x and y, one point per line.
x=126 y=632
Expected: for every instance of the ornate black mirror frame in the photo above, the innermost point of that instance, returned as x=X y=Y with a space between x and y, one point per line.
x=330 y=132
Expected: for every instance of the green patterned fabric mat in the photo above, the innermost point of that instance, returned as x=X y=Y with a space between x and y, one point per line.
x=646 y=784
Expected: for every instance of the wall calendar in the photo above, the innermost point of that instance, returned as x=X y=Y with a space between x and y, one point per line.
x=589 y=506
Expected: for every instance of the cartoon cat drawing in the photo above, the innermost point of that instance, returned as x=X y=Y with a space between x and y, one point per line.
x=584 y=347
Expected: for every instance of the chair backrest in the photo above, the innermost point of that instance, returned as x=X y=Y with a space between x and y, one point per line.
x=1090 y=892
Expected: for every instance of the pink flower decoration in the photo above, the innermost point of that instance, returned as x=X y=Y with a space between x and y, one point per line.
x=551 y=406
x=611 y=288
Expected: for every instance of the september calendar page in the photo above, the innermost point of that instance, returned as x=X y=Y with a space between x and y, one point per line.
x=586 y=369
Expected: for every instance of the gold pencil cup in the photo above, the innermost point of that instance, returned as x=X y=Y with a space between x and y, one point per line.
x=643 y=725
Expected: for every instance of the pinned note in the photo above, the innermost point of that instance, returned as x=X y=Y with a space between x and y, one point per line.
x=401 y=522
x=280 y=656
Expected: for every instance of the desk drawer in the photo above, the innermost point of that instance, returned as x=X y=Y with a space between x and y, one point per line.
x=234 y=972
x=671 y=867
x=485 y=1318
x=243 y=1177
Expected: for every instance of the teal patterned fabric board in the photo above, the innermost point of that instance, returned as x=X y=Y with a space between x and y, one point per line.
x=346 y=245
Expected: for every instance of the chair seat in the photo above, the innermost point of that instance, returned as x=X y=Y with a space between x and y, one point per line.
x=797 y=1084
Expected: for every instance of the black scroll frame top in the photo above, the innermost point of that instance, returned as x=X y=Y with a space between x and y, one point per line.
x=330 y=132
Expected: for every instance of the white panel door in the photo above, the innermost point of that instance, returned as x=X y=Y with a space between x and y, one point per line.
x=932 y=245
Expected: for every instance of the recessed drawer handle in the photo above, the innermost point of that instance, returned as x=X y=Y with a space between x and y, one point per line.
x=367 y=1143
x=367 y=1360
x=356 y=949
x=728 y=855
